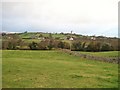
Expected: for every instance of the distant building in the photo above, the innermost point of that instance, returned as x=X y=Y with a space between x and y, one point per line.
x=93 y=38
x=71 y=38
x=42 y=38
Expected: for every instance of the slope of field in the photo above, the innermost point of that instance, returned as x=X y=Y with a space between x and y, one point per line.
x=28 y=35
x=54 y=69
x=103 y=54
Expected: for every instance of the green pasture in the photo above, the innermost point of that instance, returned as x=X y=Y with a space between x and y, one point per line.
x=32 y=40
x=55 y=69
x=27 y=35
x=103 y=54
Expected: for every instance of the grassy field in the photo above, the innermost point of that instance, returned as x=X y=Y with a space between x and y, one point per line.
x=103 y=54
x=28 y=35
x=54 y=69
x=31 y=40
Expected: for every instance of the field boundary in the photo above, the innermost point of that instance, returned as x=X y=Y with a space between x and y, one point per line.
x=92 y=57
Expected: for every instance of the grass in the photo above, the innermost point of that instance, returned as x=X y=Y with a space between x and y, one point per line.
x=103 y=54
x=26 y=35
x=31 y=40
x=54 y=69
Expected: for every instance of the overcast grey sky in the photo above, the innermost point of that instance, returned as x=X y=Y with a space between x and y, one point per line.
x=88 y=17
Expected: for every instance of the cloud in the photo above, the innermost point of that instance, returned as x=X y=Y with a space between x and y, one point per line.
x=81 y=16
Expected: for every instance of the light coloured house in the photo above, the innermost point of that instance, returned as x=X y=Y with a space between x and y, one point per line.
x=93 y=38
x=71 y=39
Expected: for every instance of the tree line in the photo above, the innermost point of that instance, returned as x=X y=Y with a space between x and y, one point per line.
x=49 y=44
x=14 y=42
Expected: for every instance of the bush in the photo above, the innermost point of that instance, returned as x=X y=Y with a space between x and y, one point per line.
x=44 y=45
x=66 y=45
x=50 y=45
x=4 y=44
x=76 y=46
x=94 y=47
x=33 y=46
x=61 y=44
x=12 y=44
x=83 y=46
x=98 y=46
x=106 y=47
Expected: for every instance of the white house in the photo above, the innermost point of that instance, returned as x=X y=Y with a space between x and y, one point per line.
x=71 y=38
x=93 y=38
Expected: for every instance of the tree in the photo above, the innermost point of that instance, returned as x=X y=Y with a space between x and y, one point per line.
x=94 y=46
x=50 y=46
x=77 y=46
x=4 y=44
x=61 y=45
x=66 y=45
x=40 y=35
x=33 y=46
x=83 y=46
x=25 y=32
x=3 y=34
x=43 y=45
x=106 y=47
x=11 y=45
x=98 y=46
x=11 y=42
x=50 y=35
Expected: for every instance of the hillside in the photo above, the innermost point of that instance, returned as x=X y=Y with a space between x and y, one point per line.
x=54 y=69
x=27 y=38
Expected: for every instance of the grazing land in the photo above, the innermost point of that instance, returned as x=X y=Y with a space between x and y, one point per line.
x=55 y=69
x=103 y=54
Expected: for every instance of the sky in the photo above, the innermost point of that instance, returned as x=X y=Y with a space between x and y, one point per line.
x=87 y=17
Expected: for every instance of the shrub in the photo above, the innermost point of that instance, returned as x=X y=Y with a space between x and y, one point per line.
x=33 y=46
x=10 y=46
x=4 y=44
x=76 y=46
x=43 y=45
x=106 y=47
x=66 y=45
x=94 y=46
x=61 y=44
x=83 y=46
x=50 y=44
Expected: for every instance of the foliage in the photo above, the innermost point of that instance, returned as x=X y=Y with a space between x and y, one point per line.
x=50 y=45
x=12 y=42
x=3 y=34
x=106 y=47
x=61 y=44
x=51 y=41
x=33 y=46
x=77 y=46
x=40 y=35
x=50 y=35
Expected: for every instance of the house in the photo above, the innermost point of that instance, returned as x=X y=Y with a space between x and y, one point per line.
x=71 y=39
x=93 y=38
x=42 y=38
